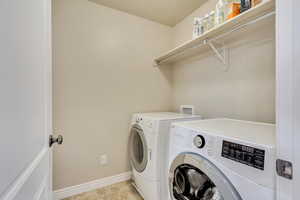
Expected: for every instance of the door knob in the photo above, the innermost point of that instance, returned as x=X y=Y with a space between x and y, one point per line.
x=59 y=140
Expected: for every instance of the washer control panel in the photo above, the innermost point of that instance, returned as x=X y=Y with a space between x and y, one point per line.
x=250 y=156
x=144 y=122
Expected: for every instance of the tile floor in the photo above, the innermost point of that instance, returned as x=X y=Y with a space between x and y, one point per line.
x=119 y=191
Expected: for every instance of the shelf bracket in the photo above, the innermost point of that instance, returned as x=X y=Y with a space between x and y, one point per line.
x=221 y=53
x=155 y=63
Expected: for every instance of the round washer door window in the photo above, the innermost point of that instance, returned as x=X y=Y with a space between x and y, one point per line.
x=193 y=177
x=138 y=149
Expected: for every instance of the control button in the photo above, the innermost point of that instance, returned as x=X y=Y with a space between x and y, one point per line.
x=232 y=153
x=238 y=155
x=249 y=159
x=138 y=119
x=199 y=141
x=258 y=162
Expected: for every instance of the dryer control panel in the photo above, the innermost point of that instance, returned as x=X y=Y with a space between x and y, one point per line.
x=250 y=156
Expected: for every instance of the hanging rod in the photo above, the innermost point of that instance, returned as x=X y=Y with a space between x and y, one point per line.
x=207 y=40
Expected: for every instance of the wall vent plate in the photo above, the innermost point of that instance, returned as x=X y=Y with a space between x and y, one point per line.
x=187 y=109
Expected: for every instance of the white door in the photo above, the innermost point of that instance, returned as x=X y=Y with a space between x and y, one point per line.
x=288 y=97
x=25 y=99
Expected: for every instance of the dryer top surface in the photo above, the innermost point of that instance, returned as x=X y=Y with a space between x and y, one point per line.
x=166 y=116
x=253 y=132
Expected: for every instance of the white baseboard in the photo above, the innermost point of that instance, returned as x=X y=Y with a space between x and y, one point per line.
x=85 y=187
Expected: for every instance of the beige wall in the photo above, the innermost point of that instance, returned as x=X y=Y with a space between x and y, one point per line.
x=246 y=91
x=102 y=74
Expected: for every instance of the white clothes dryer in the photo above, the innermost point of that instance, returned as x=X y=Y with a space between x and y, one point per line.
x=148 y=150
x=222 y=159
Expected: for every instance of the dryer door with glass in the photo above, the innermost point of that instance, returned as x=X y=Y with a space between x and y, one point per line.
x=138 y=149
x=193 y=177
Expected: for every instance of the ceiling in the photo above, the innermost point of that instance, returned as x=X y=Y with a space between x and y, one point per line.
x=168 y=12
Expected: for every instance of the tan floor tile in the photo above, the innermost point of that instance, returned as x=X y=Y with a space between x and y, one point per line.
x=118 y=191
x=70 y=198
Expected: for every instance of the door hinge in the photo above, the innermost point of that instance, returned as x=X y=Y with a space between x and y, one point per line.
x=284 y=169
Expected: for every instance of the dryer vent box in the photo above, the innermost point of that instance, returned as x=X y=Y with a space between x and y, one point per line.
x=187 y=109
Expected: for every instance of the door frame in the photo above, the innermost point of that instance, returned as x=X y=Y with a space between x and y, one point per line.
x=288 y=94
x=49 y=92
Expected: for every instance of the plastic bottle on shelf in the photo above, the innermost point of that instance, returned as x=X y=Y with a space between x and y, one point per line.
x=245 y=5
x=233 y=9
x=201 y=26
x=205 y=21
x=211 y=20
x=255 y=2
x=196 y=28
x=220 y=12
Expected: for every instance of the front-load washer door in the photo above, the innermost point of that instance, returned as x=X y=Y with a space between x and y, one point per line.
x=193 y=177
x=138 y=149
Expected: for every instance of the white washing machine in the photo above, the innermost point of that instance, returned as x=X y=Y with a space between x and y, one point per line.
x=148 y=150
x=222 y=159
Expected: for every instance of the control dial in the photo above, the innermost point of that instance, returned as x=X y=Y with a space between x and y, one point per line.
x=199 y=141
x=138 y=119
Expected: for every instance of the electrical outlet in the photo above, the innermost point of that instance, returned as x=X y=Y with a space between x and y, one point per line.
x=103 y=159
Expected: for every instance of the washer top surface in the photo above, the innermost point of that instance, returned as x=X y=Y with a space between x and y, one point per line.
x=166 y=115
x=254 y=132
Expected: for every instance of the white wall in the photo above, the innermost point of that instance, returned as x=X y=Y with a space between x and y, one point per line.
x=102 y=74
x=246 y=91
